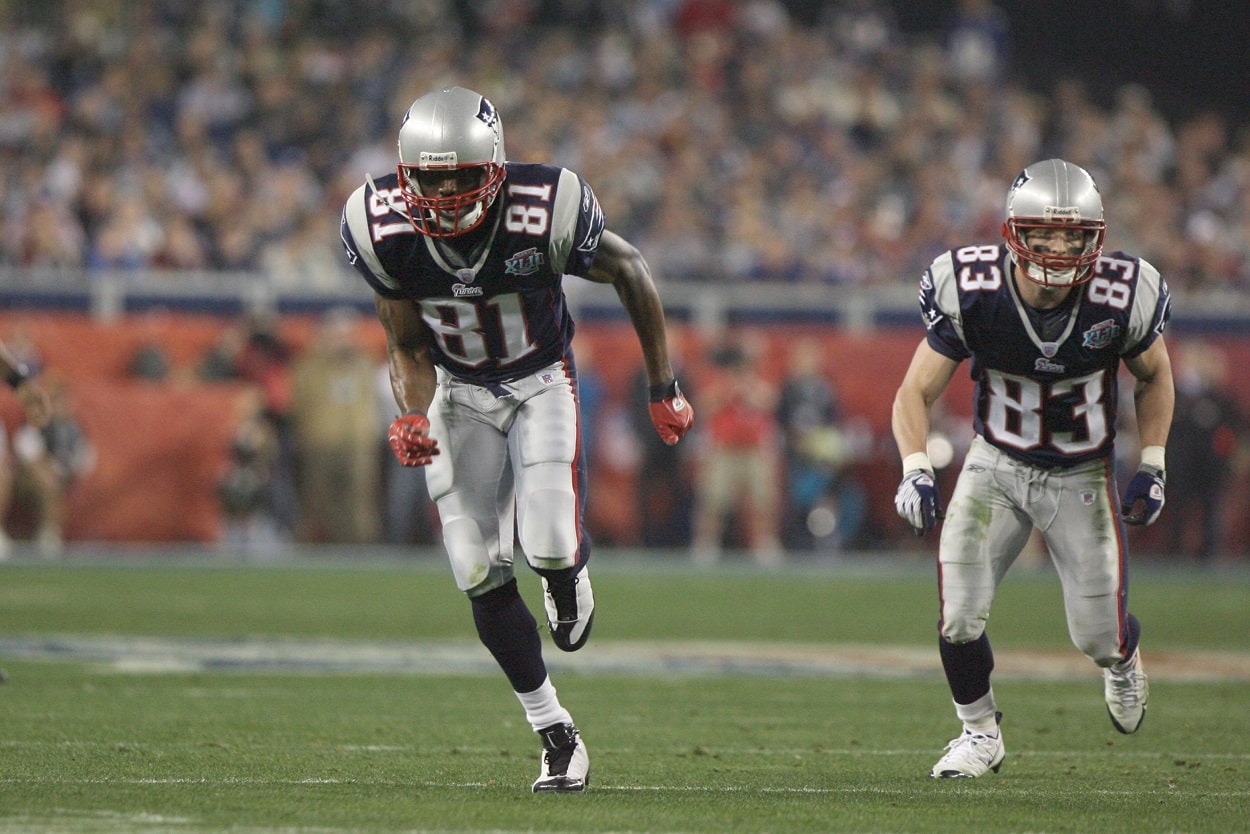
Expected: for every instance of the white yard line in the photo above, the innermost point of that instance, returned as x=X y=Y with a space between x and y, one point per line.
x=697 y=658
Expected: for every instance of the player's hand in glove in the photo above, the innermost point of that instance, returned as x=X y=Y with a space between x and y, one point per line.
x=918 y=501
x=1143 y=500
x=671 y=413
x=410 y=439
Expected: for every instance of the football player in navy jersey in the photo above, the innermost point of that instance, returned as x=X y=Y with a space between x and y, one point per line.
x=1045 y=321
x=466 y=253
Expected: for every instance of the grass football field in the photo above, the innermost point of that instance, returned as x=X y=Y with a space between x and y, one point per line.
x=163 y=693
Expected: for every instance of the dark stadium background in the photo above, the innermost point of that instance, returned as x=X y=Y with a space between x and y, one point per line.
x=1191 y=54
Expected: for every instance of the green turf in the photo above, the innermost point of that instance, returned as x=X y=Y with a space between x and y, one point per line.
x=87 y=747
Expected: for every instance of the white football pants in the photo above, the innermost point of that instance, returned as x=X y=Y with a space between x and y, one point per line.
x=510 y=460
x=996 y=503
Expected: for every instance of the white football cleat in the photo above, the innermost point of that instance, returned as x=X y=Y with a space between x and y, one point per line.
x=565 y=764
x=1126 y=689
x=971 y=755
x=570 y=605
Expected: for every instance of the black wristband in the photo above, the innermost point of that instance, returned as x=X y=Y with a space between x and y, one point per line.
x=663 y=391
x=16 y=376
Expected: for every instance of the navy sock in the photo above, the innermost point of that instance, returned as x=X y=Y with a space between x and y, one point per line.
x=1132 y=637
x=968 y=667
x=509 y=631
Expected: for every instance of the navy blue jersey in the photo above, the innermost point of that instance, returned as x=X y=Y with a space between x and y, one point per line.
x=502 y=315
x=1045 y=391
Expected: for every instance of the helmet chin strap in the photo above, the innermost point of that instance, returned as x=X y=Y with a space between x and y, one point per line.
x=1051 y=277
x=451 y=224
x=386 y=201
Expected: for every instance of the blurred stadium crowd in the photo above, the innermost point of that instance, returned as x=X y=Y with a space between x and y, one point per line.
x=737 y=141
x=744 y=141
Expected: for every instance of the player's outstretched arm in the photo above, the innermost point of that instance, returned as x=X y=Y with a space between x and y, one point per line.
x=618 y=263
x=412 y=380
x=917 y=500
x=1154 y=400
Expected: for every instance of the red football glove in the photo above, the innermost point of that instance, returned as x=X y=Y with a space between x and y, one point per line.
x=410 y=439
x=671 y=413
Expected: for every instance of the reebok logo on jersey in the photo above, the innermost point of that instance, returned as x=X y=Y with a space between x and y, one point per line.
x=1100 y=335
x=1045 y=366
x=461 y=291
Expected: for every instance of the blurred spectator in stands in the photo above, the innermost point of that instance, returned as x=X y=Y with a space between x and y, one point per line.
x=978 y=43
x=182 y=245
x=308 y=261
x=335 y=418
x=129 y=237
x=237 y=245
x=739 y=462
x=49 y=237
x=48 y=461
x=825 y=505
x=238 y=122
x=1208 y=441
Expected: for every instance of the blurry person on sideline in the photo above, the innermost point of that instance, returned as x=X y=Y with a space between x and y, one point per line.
x=334 y=418
x=739 y=468
x=48 y=460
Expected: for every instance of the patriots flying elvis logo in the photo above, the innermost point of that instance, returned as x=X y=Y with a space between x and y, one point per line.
x=486 y=112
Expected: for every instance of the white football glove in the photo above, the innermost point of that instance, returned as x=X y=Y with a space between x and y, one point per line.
x=918 y=501
x=1143 y=500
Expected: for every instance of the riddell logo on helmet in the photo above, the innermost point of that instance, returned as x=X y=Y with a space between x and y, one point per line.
x=445 y=159
x=1065 y=213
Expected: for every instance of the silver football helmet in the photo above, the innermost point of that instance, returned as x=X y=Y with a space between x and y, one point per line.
x=1055 y=195
x=451 y=161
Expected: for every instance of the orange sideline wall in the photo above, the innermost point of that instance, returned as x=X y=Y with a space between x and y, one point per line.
x=161 y=446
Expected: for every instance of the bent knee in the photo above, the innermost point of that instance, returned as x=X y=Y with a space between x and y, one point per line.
x=548 y=528
x=959 y=630
x=1102 y=652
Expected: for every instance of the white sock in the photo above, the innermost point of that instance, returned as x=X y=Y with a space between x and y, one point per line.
x=542 y=707
x=978 y=717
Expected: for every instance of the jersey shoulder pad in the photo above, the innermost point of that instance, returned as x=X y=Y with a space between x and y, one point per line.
x=372 y=213
x=575 y=217
x=1152 y=307
x=939 y=291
